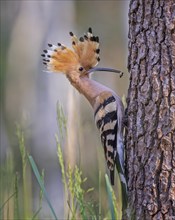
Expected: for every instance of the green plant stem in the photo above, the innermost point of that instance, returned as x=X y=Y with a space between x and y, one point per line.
x=99 y=186
x=26 y=203
x=40 y=181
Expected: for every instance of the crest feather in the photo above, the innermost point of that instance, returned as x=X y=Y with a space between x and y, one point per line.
x=87 y=49
x=85 y=53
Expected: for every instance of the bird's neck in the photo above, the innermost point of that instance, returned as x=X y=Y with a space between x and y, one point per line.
x=88 y=87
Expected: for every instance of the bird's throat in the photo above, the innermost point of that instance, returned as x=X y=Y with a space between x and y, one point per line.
x=88 y=87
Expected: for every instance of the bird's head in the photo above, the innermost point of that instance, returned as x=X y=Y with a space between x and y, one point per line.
x=80 y=61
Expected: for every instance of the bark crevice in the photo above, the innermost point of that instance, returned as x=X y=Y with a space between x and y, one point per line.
x=150 y=137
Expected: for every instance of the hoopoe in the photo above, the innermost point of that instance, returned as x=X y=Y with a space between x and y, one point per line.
x=77 y=64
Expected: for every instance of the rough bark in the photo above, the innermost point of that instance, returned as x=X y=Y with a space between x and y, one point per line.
x=150 y=139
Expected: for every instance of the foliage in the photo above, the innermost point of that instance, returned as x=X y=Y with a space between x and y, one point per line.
x=73 y=186
x=16 y=201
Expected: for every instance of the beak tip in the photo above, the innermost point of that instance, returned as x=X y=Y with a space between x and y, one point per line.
x=105 y=69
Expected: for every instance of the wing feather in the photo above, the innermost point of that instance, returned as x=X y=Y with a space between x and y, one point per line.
x=106 y=121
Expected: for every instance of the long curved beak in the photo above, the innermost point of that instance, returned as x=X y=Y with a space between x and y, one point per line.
x=105 y=69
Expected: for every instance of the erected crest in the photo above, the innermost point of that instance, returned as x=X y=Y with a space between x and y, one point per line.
x=84 y=55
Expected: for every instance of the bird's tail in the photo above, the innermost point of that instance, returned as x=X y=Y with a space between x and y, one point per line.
x=122 y=182
x=119 y=159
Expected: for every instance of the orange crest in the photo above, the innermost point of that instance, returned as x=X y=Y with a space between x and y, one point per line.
x=84 y=56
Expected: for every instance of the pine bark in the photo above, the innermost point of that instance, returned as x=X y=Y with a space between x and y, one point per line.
x=150 y=138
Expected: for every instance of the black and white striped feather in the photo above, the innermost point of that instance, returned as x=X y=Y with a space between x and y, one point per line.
x=108 y=120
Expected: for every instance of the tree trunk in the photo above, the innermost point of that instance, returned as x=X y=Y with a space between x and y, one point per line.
x=150 y=138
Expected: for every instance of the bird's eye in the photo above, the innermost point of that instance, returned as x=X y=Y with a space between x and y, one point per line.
x=81 y=68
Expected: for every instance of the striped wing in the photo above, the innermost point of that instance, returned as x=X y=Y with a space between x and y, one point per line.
x=106 y=121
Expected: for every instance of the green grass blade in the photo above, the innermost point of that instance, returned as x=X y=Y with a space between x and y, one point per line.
x=16 y=198
x=61 y=161
x=110 y=198
x=25 y=173
x=36 y=213
x=61 y=120
x=40 y=181
x=41 y=192
x=2 y=206
x=99 y=187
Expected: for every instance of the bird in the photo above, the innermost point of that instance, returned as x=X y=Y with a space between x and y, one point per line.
x=77 y=64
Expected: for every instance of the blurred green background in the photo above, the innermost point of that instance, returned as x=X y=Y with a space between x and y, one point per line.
x=29 y=96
